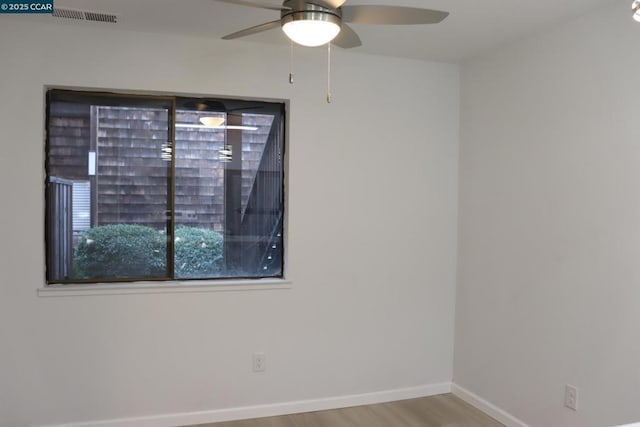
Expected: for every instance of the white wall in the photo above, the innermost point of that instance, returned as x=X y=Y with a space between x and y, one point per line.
x=372 y=237
x=549 y=271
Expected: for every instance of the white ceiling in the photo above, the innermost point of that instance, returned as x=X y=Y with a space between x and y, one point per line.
x=473 y=26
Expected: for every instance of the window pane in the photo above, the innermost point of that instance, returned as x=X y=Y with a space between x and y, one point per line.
x=229 y=189
x=108 y=179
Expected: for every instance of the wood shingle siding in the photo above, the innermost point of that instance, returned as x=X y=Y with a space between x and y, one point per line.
x=132 y=178
x=133 y=184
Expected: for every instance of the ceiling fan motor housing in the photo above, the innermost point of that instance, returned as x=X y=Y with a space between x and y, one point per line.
x=300 y=10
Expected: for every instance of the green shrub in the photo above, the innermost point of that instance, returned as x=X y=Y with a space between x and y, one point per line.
x=198 y=252
x=126 y=251
x=120 y=251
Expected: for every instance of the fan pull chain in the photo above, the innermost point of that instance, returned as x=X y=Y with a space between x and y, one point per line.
x=291 y=80
x=329 y=96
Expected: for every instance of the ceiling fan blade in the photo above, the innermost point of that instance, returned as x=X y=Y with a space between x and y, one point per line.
x=347 y=38
x=331 y=4
x=391 y=15
x=259 y=5
x=253 y=30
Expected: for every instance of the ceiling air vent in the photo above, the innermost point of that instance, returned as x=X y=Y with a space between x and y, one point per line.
x=83 y=15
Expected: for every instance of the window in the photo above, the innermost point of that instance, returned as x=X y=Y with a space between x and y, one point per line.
x=163 y=188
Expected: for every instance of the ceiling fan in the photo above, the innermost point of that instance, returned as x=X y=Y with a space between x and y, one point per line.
x=318 y=22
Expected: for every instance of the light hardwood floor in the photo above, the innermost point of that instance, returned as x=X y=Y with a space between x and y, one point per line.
x=437 y=411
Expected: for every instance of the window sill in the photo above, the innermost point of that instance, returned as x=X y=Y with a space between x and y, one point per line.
x=167 y=288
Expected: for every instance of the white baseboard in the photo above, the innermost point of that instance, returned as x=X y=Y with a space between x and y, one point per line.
x=259 y=411
x=488 y=408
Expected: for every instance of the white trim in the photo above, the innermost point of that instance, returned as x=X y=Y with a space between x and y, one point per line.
x=488 y=408
x=259 y=411
x=164 y=287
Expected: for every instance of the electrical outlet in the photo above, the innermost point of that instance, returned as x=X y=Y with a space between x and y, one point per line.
x=259 y=362
x=571 y=397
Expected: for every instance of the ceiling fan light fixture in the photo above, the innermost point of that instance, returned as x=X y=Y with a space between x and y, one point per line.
x=212 y=121
x=310 y=28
